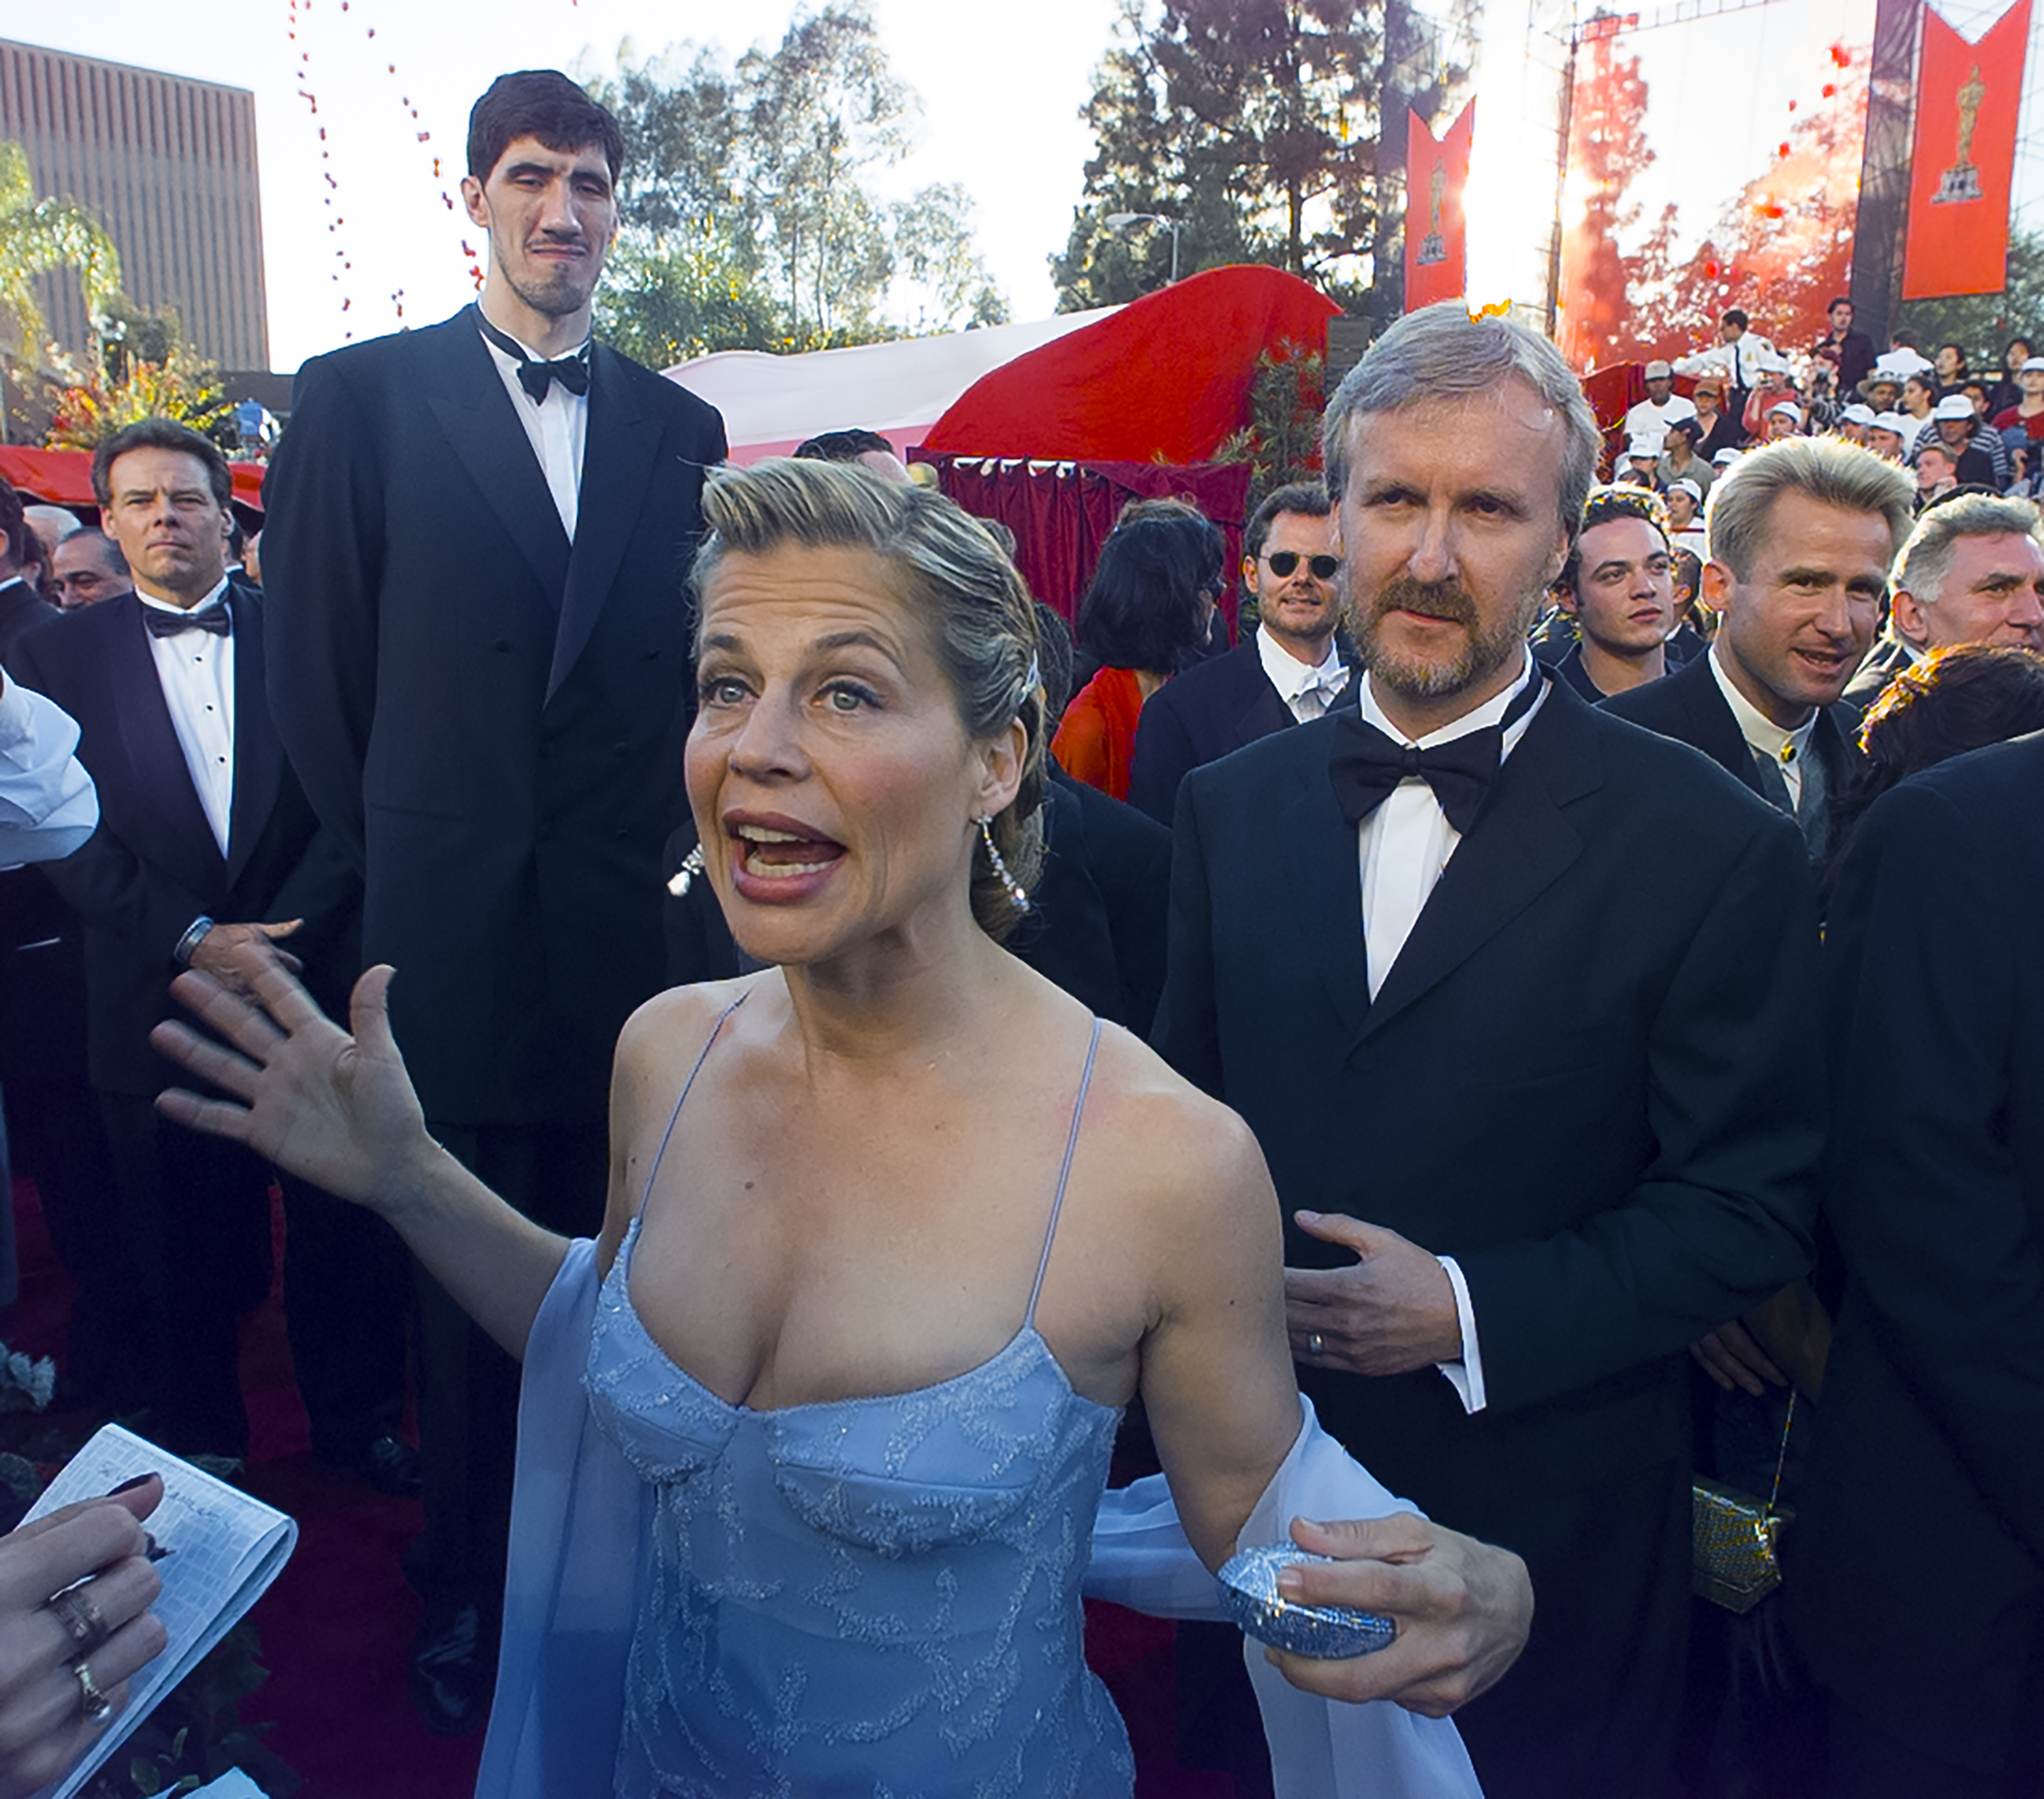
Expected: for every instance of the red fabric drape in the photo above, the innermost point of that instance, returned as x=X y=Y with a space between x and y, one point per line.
x=1168 y=376
x=64 y=477
x=1061 y=512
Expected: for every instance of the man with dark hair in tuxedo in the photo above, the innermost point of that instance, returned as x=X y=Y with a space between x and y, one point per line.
x=207 y=855
x=1520 y=1002
x=22 y=606
x=1289 y=669
x=476 y=542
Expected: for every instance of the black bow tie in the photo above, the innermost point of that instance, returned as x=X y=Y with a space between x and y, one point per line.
x=161 y=623
x=1367 y=764
x=534 y=376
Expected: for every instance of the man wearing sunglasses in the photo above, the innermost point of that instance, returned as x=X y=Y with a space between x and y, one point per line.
x=1290 y=669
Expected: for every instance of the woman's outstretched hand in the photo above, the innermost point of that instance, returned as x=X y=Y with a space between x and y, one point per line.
x=1463 y=1609
x=337 y=1110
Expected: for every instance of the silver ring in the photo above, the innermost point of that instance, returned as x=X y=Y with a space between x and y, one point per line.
x=1315 y=1343
x=81 y=1620
x=94 y=1706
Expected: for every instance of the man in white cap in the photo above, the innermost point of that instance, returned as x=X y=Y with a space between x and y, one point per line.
x=1783 y=419
x=1636 y=468
x=1855 y=422
x=1887 y=437
x=1685 y=508
x=1957 y=428
x=1651 y=417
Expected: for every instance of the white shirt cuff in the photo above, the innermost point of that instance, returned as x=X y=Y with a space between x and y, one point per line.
x=1466 y=1375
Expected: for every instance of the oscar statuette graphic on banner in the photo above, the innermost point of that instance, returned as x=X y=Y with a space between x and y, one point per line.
x=1436 y=235
x=1968 y=96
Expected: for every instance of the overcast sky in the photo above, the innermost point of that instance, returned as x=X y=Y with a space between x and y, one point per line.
x=1001 y=85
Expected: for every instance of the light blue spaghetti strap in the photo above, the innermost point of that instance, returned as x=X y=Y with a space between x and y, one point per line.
x=1064 y=1174
x=645 y=1192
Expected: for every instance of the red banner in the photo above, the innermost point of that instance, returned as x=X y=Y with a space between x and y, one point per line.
x=1436 y=233
x=1967 y=99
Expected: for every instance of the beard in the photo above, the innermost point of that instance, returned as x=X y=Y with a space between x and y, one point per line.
x=1483 y=653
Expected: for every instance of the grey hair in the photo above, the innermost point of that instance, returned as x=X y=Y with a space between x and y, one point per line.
x=981 y=617
x=1441 y=353
x=1926 y=558
x=1827 y=469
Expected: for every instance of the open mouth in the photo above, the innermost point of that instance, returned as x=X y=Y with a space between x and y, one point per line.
x=766 y=853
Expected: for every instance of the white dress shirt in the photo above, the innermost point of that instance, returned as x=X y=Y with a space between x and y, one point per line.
x=1307 y=690
x=1403 y=847
x=1785 y=749
x=1741 y=359
x=557 y=427
x=1645 y=419
x=48 y=805
x=196 y=669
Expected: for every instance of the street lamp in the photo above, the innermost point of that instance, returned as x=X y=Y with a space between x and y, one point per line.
x=1121 y=221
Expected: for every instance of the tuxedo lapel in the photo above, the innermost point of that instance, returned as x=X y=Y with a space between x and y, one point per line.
x=617 y=463
x=1715 y=731
x=1265 y=713
x=1325 y=889
x=259 y=757
x=1519 y=844
x=172 y=828
x=489 y=440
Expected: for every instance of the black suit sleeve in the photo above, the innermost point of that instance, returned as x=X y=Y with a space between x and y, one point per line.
x=1930 y=1197
x=1163 y=754
x=1721 y=1216
x=322 y=552
x=1187 y=1033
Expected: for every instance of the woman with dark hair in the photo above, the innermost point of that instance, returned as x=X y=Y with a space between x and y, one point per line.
x=1950 y=362
x=2008 y=389
x=1961 y=698
x=1152 y=599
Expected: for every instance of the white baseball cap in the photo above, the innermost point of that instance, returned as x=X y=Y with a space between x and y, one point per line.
x=1788 y=407
x=1689 y=487
x=1725 y=458
x=1859 y=413
x=1643 y=447
x=1953 y=406
x=1897 y=422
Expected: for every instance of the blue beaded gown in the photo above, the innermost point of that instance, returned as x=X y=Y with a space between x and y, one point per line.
x=871 y=1597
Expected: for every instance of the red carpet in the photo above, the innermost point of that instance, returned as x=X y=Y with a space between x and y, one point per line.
x=335 y=1626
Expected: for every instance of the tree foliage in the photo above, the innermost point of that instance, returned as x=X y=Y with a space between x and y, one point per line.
x=1984 y=323
x=751 y=219
x=1253 y=124
x=40 y=236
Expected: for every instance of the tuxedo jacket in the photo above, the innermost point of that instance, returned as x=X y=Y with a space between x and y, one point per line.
x=21 y=610
x=490 y=719
x=1887 y=659
x=1095 y=924
x=153 y=865
x=1591 y=1077
x=1208 y=712
x=1687 y=704
x=1916 y=1576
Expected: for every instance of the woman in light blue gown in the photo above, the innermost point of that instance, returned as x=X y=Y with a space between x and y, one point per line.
x=895 y=1229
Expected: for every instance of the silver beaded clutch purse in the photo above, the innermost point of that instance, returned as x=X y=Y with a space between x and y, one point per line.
x=1249 y=1594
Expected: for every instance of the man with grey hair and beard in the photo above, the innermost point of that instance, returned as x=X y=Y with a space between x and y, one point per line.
x=1528 y=1048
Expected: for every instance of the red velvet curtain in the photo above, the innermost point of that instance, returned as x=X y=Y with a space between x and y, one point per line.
x=1061 y=512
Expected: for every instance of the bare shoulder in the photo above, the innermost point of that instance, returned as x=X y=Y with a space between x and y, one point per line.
x=661 y=1039
x=1179 y=1160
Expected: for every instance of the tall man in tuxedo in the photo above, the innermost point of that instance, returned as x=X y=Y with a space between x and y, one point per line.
x=1288 y=669
x=477 y=539
x=1529 y=1044
x=206 y=853
x=1801 y=535
x=1934 y=1396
